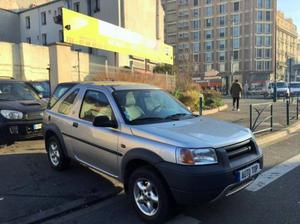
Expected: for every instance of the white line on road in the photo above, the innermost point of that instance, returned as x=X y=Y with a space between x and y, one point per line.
x=274 y=173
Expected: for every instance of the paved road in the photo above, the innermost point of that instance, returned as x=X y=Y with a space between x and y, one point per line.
x=276 y=203
x=28 y=185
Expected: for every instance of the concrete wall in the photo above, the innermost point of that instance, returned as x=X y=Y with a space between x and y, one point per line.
x=9 y=26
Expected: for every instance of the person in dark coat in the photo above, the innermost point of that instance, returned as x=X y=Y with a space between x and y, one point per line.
x=236 y=93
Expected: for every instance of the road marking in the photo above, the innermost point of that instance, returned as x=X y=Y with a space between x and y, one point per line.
x=184 y=219
x=274 y=173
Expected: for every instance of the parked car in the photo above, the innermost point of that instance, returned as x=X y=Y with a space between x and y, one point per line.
x=295 y=89
x=21 y=112
x=42 y=87
x=151 y=142
x=282 y=89
x=59 y=91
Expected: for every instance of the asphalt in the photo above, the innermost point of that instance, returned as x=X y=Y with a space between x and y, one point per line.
x=277 y=203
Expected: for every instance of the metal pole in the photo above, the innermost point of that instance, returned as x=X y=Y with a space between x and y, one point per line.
x=297 y=109
x=201 y=106
x=271 y=117
x=251 y=117
x=287 y=113
x=275 y=68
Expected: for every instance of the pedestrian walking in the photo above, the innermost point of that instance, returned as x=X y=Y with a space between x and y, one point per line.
x=236 y=93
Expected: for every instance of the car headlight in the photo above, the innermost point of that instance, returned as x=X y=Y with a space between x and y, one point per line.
x=12 y=114
x=196 y=156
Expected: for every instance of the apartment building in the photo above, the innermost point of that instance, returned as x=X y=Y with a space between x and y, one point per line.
x=37 y=26
x=227 y=36
x=287 y=46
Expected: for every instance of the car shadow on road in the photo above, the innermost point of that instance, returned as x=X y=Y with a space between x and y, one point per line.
x=29 y=185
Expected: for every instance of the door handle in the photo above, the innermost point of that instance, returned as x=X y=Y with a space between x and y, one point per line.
x=75 y=125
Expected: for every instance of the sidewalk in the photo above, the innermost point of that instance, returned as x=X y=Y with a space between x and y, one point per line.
x=243 y=117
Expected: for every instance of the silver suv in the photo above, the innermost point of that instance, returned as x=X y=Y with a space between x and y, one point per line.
x=145 y=138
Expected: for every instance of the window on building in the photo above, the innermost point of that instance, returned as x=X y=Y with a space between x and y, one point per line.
x=268 y=28
x=196 y=47
x=209 y=11
x=259 y=65
x=236 y=43
x=259 y=28
x=208 y=2
x=208 y=34
x=259 y=41
x=28 y=40
x=222 y=20
x=209 y=22
x=196 y=2
x=267 y=41
x=236 y=31
x=44 y=39
x=236 y=19
x=77 y=6
x=259 y=16
x=268 y=16
x=222 y=67
x=260 y=4
x=195 y=24
x=27 y=22
x=268 y=65
x=236 y=6
x=43 y=18
x=222 y=56
x=196 y=36
x=222 y=32
x=208 y=45
x=60 y=36
x=268 y=4
x=208 y=57
x=196 y=13
x=259 y=53
x=222 y=9
x=222 y=44
x=208 y=67
x=268 y=53
x=196 y=58
x=235 y=55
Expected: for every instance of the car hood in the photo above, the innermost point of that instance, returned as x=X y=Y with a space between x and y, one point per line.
x=24 y=106
x=194 y=133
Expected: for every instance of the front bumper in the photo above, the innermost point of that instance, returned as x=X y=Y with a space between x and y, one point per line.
x=198 y=184
x=11 y=131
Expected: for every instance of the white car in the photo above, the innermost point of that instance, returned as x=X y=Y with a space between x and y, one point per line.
x=282 y=89
x=295 y=89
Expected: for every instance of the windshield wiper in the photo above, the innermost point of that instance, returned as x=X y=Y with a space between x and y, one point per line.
x=146 y=119
x=176 y=116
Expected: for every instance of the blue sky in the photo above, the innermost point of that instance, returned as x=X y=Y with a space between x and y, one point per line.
x=291 y=8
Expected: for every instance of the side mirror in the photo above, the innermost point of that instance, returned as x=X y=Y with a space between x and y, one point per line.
x=103 y=121
x=41 y=95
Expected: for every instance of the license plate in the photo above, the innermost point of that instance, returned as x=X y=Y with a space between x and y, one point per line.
x=248 y=172
x=37 y=126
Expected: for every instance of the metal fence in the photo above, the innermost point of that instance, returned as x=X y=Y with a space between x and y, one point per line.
x=261 y=117
x=292 y=111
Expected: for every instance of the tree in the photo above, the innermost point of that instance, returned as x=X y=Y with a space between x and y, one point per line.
x=163 y=69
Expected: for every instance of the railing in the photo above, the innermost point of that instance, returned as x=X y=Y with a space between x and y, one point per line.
x=292 y=115
x=258 y=120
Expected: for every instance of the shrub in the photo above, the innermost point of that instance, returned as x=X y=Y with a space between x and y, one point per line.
x=189 y=98
x=213 y=99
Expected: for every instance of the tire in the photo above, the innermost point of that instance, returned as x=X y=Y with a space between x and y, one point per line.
x=56 y=156
x=162 y=209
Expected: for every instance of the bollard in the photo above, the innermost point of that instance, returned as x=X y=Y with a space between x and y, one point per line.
x=201 y=106
x=287 y=113
x=271 y=120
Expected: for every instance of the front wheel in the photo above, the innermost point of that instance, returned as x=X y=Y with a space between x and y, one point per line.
x=56 y=156
x=150 y=196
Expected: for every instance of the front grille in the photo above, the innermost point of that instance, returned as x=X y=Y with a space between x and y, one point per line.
x=241 y=149
x=34 y=116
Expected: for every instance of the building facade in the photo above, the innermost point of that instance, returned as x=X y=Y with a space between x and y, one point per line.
x=36 y=24
x=287 y=46
x=228 y=36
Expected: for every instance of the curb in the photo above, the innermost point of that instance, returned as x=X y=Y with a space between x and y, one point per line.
x=65 y=208
x=213 y=111
x=278 y=135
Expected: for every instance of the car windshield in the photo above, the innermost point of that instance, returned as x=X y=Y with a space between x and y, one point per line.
x=146 y=106
x=42 y=87
x=295 y=85
x=10 y=91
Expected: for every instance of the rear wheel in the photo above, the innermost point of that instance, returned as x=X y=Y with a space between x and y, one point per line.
x=56 y=156
x=150 y=196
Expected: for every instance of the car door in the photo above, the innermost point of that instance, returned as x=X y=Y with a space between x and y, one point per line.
x=95 y=146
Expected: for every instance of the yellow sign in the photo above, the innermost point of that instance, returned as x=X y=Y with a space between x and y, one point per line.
x=90 y=32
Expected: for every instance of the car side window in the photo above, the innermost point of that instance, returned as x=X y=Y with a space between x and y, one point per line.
x=58 y=93
x=66 y=105
x=95 y=104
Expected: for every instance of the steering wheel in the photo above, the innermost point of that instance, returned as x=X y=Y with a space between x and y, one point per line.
x=156 y=108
